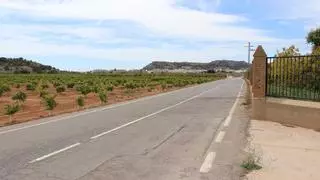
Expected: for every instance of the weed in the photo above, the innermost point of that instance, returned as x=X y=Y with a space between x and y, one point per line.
x=252 y=162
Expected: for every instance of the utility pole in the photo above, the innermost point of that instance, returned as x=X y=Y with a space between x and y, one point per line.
x=249 y=46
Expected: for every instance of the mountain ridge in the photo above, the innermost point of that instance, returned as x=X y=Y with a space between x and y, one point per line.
x=217 y=64
x=21 y=65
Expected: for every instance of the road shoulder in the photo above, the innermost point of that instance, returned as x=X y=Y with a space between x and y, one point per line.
x=229 y=151
x=286 y=153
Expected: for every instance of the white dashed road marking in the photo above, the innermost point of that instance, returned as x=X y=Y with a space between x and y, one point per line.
x=54 y=153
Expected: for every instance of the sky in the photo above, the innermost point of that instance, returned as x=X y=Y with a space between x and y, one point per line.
x=84 y=35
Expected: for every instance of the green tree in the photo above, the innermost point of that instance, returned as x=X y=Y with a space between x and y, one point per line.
x=11 y=109
x=20 y=97
x=110 y=88
x=84 y=90
x=60 y=89
x=80 y=101
x=314 y=38
x=1 y=92
x=103 y=97
x=30 y=87
x=50 y=103
x=291 y=51
x=43 y=93
x=5 y=88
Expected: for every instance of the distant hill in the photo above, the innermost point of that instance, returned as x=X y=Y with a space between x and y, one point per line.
x=213 y=65
x=20 y=65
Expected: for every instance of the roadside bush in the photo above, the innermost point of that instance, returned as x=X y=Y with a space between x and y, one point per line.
x=60 y=89
x=84 y=90
x=164 y=86
x=95 y=89
x=43 y=93
x=30 y=87
x=130 y=85
x=70 y=85
x=80 y=101
x=103 y=97
x=5 y=88
x=44 y=86
x=10 y=110
x=110 y=88
x=56 y=84
x=50 y=103
x=116 y=84
x=20 y=97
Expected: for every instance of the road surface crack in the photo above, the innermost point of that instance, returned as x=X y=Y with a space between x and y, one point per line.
x=155 y=147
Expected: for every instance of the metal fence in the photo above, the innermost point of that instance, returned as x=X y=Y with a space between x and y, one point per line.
x=295 y=77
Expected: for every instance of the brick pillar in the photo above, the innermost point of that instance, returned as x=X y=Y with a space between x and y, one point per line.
x=259 y=73
x=259 y=84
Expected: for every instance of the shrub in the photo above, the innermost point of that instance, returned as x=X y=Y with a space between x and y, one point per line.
x=43 y=93
x=19 y=96
x=110 y=88
x=103 y=97
x=56 y=84
x=44 y=86
x=80 y=101
x=70 y=85
x=50 y=103
x=10 y=110
x=95 y=89
x=164 y=86
x=60 y=89
x=130 y=85
x=84 y=90
x=5 y=88
x=30 y=87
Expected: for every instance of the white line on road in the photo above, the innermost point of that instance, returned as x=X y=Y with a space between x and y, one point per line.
x=220 y=137
x=229 y=118
x=152 y=114
x=207 y=164
x=93 y=111
x=54 y=153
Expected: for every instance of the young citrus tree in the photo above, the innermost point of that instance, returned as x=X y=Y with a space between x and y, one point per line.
x=1 y=92
x=80 y=101
x=103 y=97
x=11 y=109
x=20 y=97
x=50 y=103
x=60 y=89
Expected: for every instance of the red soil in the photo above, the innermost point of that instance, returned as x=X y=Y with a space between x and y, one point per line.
x=32 y=109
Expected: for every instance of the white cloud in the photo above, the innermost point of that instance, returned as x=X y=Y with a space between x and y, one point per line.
x=160 y=16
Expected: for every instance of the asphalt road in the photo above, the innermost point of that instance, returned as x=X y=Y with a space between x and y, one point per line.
x=168 y=136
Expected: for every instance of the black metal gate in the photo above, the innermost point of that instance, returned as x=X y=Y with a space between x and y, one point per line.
x=295 y=77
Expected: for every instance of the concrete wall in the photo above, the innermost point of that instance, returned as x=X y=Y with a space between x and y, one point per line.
x=289 y=112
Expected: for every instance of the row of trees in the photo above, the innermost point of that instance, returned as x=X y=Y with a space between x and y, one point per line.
x=47 y=100
x=49 y=86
